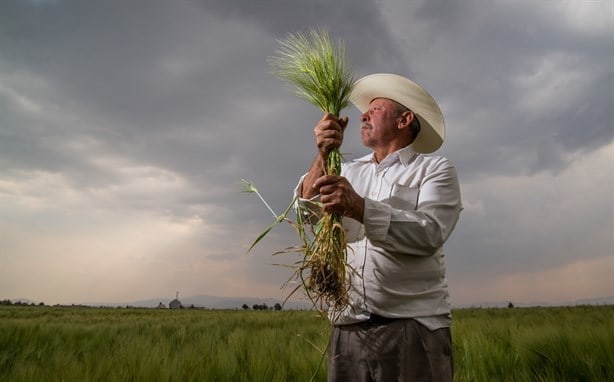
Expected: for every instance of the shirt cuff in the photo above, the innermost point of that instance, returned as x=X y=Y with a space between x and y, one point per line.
x=310 y=208
x=376 y=219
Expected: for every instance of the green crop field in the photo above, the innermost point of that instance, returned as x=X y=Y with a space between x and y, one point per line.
x=116 y=344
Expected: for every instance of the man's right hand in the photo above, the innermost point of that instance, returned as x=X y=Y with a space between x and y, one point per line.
x=329 y=133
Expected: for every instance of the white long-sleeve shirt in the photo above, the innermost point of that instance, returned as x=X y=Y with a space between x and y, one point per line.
x=395 y=258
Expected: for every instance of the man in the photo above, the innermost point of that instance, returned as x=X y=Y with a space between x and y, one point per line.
x=399 y=206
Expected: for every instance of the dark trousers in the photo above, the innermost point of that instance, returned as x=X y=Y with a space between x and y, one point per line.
x=399 y=350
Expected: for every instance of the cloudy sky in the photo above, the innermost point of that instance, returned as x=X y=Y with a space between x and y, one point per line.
x=126 y=127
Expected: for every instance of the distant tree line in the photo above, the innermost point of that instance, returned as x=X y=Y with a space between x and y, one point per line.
x=264 y=306
x=20 y=303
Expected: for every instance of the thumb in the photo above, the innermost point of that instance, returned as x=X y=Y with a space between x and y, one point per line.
x=343 y=122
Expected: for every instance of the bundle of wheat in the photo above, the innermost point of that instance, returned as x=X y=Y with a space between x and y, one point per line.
x=318 y=69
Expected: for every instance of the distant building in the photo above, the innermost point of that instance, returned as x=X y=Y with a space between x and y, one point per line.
x=161 y=306
x=175 y=304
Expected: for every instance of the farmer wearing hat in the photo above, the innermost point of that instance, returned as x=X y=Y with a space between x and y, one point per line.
x=399 y=206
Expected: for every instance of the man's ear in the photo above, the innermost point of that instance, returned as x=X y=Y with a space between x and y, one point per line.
x=406 y=119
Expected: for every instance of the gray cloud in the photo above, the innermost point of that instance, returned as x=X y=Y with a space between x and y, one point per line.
x=517 y=81
x=149 y=114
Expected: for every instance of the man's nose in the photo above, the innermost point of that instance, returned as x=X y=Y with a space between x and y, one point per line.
x=364 y=117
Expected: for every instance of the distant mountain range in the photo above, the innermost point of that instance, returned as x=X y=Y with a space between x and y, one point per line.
x=201 y=301
x=216 y=302
x=211 y=302
x=501 y=304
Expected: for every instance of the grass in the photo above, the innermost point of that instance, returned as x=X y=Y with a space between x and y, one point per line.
x=77 y=344
x=105 y=344
x=535 y=344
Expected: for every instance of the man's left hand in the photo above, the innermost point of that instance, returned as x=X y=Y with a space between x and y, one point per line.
x=338 y=196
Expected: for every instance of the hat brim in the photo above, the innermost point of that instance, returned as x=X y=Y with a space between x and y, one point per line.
x=410 y=95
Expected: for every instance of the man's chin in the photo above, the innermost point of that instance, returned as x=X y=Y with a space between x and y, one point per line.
x=366 y=141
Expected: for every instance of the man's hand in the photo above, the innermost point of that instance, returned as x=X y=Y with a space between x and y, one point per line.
x=338 y=196
x=329 y=133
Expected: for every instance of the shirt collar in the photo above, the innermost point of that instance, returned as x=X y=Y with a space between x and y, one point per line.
x=407 y=154
x=404 y=155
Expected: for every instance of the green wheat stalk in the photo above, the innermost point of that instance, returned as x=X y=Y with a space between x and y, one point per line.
x=318 y=69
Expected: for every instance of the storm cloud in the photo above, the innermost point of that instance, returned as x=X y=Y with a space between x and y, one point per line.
x=126 y=128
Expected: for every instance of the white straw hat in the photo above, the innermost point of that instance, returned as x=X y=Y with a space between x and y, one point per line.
x=410 y=95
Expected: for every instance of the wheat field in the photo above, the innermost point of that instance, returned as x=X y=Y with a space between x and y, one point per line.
x=41 y=343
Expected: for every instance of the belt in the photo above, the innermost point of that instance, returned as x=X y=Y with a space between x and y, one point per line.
x=377 y=320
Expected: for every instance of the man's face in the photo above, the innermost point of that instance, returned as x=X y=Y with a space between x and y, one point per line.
x=379 y=123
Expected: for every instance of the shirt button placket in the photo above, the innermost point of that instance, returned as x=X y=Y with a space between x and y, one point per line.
x=374 y=186
x=378 y=185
